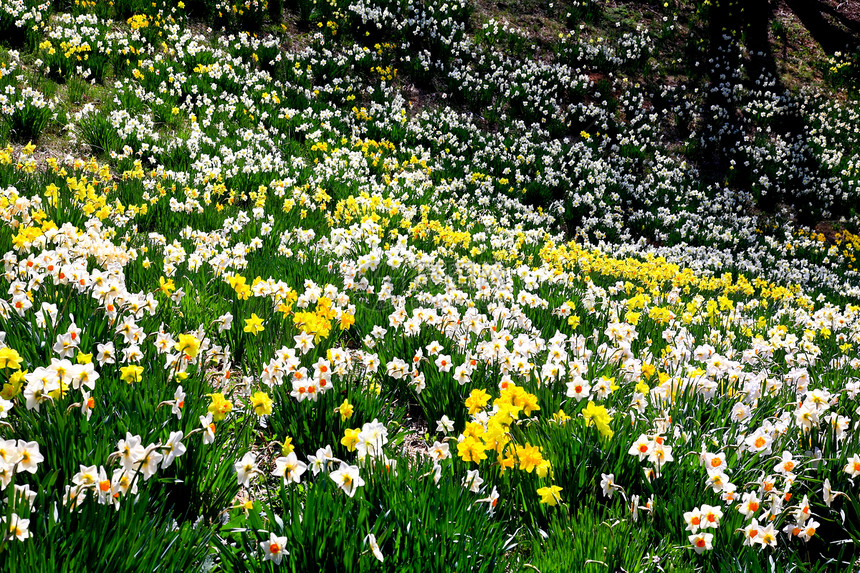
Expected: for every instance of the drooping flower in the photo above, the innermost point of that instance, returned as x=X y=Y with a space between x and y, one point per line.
x=550 y=495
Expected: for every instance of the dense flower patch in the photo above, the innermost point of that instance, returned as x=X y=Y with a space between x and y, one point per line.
x=263 y=271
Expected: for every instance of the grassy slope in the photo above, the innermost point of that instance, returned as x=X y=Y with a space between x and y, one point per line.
x=602 y=529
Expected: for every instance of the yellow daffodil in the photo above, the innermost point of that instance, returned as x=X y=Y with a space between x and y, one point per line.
x=254 y=324
x=345 y=410
x=262 y=403
x=131 y=373
x=188 y=344
x=219 y=407
x=550 y=495
x=350 y=439
x=9 y=358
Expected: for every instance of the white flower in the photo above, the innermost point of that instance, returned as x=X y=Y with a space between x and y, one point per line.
x=17 y=527
x=29 y=457
x=711 y=516
x=246 y=468
x=86 y=477
x=347 y=478
x=149 y=462
x=371 y=439
x=443 y=363
x=828 y=494
x=130 y=451
x=5 y=406
x=492 y=500
x=578 y=388
x=374 y=547
x=808 y=530
x=702 y=541
x=440 y=451
x=641 y=448
x=752 y=532
x=23 y=493
x=607 y=482
x=208 y=429
x=290 y=468
x=473 y=481
x=5 y=474
x=693 y=519
x=175 y=448
x=445 y=425
x=319 y=462
x=273 y=549
x=852 y=468
x=767 y=536
x=178 y=402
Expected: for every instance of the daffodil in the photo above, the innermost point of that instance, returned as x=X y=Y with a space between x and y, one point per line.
x=219 y=406
x=254 y=324
x=131 y=373
x=188 y=344
x=350 y=438
x=471 y=450
x=345 y=410
x=550 y=495
x=9 y=358
x=262 y=403
x=477 y=401
x=598 y=416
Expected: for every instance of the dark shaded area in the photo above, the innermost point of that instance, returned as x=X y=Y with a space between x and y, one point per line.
x=831 y=37
x=850 y=17
x=732 y=21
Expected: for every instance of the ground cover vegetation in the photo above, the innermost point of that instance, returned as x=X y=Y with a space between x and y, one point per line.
x=429 y=285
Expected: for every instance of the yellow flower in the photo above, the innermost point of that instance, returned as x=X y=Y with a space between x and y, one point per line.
x=471 y=450
x=560 y=417
x=239 y=284
x=529 y=457
x=189 y=344
x=84 y=358
x=648 y=370
x=345 y=410
x=350 y=438
x=346 y=321
x=9 y=358
x=132 y=373
x=543 y=468
x=13 y=387
x=166 y=286
x=254 y=324
x=549 y=495
x=477 y=401
x=219 y=407
x=313 y=323
x=60 y=392
x=288 y=446
x=600 y=417
x=573 y=321
x=262 y=404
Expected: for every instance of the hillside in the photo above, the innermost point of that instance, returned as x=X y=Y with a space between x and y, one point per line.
x=427 y=285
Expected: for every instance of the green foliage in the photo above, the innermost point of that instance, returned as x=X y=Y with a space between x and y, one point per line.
x=417 y=525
